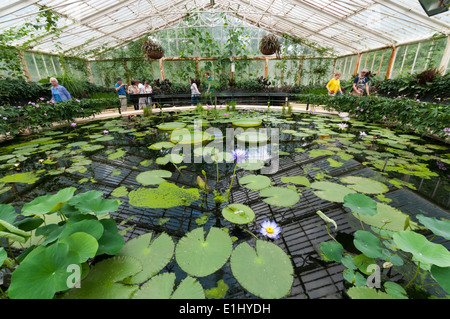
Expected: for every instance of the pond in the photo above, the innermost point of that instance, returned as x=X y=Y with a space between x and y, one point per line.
x=293 y=166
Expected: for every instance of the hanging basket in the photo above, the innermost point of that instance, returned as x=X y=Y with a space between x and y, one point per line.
x=270 y=45
x=156 y=55
x=267 y=51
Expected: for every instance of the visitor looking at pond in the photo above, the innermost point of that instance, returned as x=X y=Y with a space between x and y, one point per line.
x=141 y=88
x=334 y=85
x=360 y=84
x=120 y=89
x=59 y=92
x=209 y=88
x=148 y=90
x=133 y=89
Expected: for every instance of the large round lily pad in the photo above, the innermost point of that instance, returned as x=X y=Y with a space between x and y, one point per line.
x=170 y=126
x=167 y=195
x=252 y=137
x=153 y=253
x=360 y=204
x=153 y=177
x=161 y=287
x=247 y=122
x=331 y=191
x=186 y=137
x=365 y=185
x=280 y=196
x=238 y=214
x=266 y=272
x=255 y=182
x=200 y=256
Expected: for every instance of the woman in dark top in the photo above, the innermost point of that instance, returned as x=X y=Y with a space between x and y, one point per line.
x=360 y=84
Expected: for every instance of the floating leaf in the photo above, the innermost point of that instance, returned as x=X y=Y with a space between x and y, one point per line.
x=200 y=257
x=365 y=185
x=170 y=126
x=387 y=218
x=153 y=177
x=118 y=154
x=422 y=249
x=280 y=196
x=252 y=137
x=331 y=191
x=395 y=290
x=363 y=262
x=266 y=272
x=251 y=165
x=160 y=145
x=334 y=163
x=318 y=153
x=218 y=292
x=367 y=293
x=354 y=277
x=24 y=178
x=297 y=180
x=238 y=214
x=172 y=158
x=161 y=287
x=7 y=213
x=120 y=192
x=153 y=254
x=247 y=122
x=167 y=195
x=255 y=182
x=104 y=280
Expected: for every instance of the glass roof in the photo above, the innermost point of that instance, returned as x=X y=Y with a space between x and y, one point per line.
x=347 y=26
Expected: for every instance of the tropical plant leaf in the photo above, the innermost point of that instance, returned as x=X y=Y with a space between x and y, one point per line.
x=238 y=214
x=331 y=191
x=48 y=203
x=361 y=204
x=255 y=182
x=442 y=276
x=368 y=244
x=153 y=177
x=332 y=251
x=279 y=196
x=367 y=293
x=365 y=185
x=111 y=241
x=438 y=227
x=387 y=218
x=297 y=180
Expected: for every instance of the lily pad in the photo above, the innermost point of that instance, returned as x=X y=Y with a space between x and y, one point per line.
x=251 y=165
x=247 y=122
x=153 y=177
x=252 y=137
x=161 y=287
x=153 y=253
x=266 y=272
x=367 y=293
x=365 y=185
x=200 y=256
x=388 y=218
x=297 y=180
x=25 y=178
x=186 y=137
x=279 y=196
x=238 y=214
x=167 y=195
x=170 y=126
x=332 y=251
x=255 y=182
x=331 y=191
x=161 y=145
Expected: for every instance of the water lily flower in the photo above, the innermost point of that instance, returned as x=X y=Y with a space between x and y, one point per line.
x=342 y=126
x=362 y=134
x=313 y=110
x=384 y=117
x=37 y=105
x=73 y=124
x=270 y=229
x=105 y=132
x=41 y=98
x=239 y=155
x=5 y=118
x=45 y=114
x=19 y=107
x=78 y=100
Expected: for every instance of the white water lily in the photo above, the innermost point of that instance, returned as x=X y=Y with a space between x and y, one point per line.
x=362 y=134
x=344 y=114
x=342 y=126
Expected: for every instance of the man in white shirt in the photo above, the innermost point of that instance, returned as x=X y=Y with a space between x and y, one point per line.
x=141 y=91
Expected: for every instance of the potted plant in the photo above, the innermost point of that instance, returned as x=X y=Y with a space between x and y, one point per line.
x=152 y=50
x=270 y=45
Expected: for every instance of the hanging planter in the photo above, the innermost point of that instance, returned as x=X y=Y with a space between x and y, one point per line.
x=270 y=45
x=153 y=50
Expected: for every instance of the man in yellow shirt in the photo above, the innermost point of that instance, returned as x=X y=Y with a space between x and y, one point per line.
x=334 y=85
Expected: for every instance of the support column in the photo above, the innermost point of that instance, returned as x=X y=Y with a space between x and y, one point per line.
x=391 y=62
x=299 y=72
x=445 y=57
x=25 y=66
x=358 y=61
x=91 y=76
x=127 y=74
x=161 y=69
x=266 y=67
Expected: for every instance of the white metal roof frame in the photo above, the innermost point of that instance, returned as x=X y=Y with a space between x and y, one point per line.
x=347 y=26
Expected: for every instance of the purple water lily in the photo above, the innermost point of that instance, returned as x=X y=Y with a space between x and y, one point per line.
x=270 y=229
x=239 y=155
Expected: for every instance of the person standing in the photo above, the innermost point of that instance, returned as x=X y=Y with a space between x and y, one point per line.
x=133 y=89
x=141 y=91
x=59 y=92
x=195 y=93
x=209 y=88
x=361 y=84
x=148 y=90
x=120 y=89
x=334 y=85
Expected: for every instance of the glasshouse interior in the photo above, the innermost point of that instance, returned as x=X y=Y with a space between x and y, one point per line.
x=208 y=149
